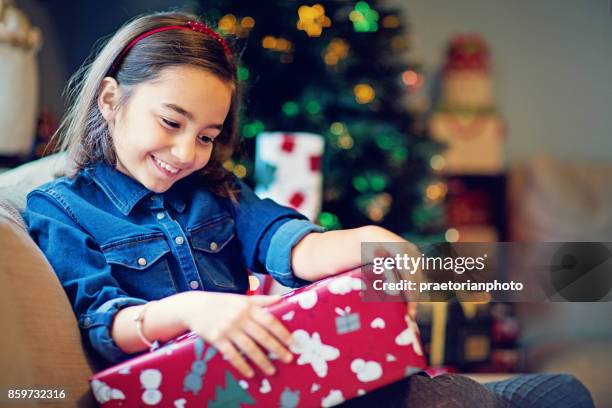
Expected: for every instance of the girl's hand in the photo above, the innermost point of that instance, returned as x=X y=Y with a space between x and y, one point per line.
x=235 y=323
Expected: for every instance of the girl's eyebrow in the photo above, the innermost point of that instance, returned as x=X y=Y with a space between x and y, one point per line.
x=189 y=115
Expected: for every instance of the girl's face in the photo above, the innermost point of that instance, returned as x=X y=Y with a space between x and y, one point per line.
x=167 y=128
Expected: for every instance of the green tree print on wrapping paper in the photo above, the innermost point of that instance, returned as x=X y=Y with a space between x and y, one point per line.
x=232 y=396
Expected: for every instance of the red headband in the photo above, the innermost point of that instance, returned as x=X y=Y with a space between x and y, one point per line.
x=189 y=25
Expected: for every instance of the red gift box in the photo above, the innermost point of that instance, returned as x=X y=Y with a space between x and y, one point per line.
x=343 y=347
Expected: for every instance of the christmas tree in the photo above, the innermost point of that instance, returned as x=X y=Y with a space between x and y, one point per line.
x=339 y=69
x=233 y=395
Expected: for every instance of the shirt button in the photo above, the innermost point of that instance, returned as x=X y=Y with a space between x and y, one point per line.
x=142 y=261
x=161 y=215
x=179 y=240
x=87 y=322
x=154 y=197
x=213 y=246
x=194 y=285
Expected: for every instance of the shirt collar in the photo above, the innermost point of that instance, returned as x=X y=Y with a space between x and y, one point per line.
x=125 y=192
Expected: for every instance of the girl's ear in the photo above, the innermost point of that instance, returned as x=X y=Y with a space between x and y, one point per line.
x=108 y=100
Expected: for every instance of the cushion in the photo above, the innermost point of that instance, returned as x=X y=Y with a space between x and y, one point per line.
x=41 y=342
x=17 y=183
x=557 y=201
x=35 y=173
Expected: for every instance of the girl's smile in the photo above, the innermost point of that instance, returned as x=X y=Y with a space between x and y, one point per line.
x=166 y=129
x=165 y=168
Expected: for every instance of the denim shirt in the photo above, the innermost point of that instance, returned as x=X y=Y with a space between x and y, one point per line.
x=113 y=243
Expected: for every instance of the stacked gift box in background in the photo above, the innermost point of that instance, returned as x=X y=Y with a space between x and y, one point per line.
x=470 y=337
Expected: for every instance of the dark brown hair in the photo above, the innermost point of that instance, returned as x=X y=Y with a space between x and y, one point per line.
x=84 y=133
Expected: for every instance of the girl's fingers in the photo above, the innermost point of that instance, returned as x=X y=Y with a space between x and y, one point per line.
x=412 y=310
x=269 y=342
x=266 y=319
x=264 y=300
x=248 y=346
x=233 y=356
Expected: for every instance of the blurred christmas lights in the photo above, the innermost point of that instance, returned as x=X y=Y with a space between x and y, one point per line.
x=229 y=24
x=279 y=44
x=247 y=22
x=391 y=21
x=410 y=77
x=451 y=235
x=399 y=156
x=312 y=20
x=377 y=182
x=313 y=107
x=252 y=129
x=345 y=141
x=436 y=192
x=364 y=18
x=360 y=183
x=240 y=171
x=379 y=207
x=437 y=162
x=291 y=108
x=243 y=73
x=335 y=51
x=384 y=142
x=228 y=165
x=364 y=93
x=342 y=137
x=329 y=220
x=337 y=128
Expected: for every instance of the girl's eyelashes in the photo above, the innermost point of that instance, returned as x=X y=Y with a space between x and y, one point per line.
x=175 y=125
x=206 y=139
x=170 y=123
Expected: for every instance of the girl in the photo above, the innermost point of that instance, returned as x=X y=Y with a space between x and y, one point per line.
x=150 y=236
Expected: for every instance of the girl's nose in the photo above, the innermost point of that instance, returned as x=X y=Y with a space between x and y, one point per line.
x=184 y=151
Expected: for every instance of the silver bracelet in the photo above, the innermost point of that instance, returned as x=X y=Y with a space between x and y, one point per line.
x=139 y=319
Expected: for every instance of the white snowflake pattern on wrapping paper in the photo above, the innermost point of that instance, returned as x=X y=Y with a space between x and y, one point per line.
x=312 y=351
x=151 y=380
x=265 y=386
x=409 y=336
x=104 y=393
x=378 y=323
x=366 y=371
x=288 y=316
x=334 y=397
x=343 y=285
x=306 y=300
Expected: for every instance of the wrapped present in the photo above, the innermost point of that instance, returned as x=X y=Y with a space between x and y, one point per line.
x=343 y=347
x=288 y=170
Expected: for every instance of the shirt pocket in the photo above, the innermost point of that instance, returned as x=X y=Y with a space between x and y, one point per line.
x=217 y=254
x=140 y=265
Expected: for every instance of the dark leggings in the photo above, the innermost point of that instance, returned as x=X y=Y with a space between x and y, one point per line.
x=454 y=391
